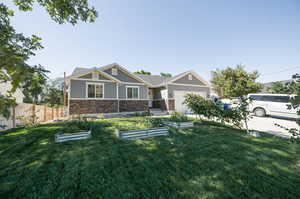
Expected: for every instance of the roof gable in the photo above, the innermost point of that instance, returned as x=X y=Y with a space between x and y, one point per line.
x=85 y=73
x=183 y=79
x=90 y=76
x=123 y=74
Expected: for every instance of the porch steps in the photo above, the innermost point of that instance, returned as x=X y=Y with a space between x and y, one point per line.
x=145 y=133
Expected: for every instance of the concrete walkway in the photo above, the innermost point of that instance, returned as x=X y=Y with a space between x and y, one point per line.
x=267 y=124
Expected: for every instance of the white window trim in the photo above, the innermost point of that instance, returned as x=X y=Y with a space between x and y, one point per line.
x=114 y=71
x=86 y=90
x=138 y=92
x=190 y=77
x=98 y=80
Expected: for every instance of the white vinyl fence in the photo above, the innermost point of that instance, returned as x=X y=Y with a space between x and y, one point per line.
x=31 y=112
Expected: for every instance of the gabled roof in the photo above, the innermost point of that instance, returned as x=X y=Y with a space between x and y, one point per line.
x=79 y=70
x=150 y=80
x=82 y=71
x=134 y=76
x=173 y=79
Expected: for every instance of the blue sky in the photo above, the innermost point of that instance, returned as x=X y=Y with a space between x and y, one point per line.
x=173 y=36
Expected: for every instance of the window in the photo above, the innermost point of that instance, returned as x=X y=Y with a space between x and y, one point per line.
x=95 y=75
x=114 y=71
x=94 y=90
x=271 y=98
x=132 y=92
x=256 y=97
x=190 y=77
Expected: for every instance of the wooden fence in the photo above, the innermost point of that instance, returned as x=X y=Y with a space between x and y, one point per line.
x=24 y=112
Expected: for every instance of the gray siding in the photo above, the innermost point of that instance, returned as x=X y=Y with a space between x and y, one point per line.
x=122 y=76
x=172 y=88
x=78 y=89
x=185 y=80
x=143 y=91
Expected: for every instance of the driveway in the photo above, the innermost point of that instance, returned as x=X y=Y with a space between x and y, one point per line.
x=267 y=124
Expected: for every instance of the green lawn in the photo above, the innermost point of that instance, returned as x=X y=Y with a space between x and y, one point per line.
x=210 y=161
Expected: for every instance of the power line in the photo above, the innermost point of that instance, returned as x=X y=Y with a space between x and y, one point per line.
x=288 y=69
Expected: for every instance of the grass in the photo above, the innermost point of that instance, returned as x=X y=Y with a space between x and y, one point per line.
x=209 y=161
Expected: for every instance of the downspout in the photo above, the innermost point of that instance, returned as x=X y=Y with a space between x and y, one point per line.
x=69 y=95
x=118 y=97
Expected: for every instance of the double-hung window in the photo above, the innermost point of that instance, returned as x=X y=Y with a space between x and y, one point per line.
x=132 y=92
x=95 y=90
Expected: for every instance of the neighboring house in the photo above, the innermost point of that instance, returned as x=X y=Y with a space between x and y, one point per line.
x=6 y=86
x=112 y=89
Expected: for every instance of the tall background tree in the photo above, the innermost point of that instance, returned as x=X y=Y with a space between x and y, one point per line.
x=237 y=82
x=165 y=75
x=16 y=49
x=53 y=93
x=281 y=88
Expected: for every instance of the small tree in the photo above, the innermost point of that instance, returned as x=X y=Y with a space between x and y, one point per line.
x=142 y=72
x=294 y=86
x=237 y=82
x=53 y=93
x=210 y=110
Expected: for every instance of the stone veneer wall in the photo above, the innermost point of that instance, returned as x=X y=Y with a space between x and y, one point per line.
x=106 y=106
x=171 y=104
x=93 y=106
x=133 y=105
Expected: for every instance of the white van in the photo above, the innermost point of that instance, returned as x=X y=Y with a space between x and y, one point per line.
x=271 y=104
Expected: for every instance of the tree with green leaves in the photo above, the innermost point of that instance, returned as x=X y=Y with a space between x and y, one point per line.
x=237 y=82
x=294 y=87
x=165 y=75
x=142 y=72
x=53 y=93
x=280 y=88
x=16 y=49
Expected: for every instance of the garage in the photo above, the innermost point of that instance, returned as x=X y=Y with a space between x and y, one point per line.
x=179 y=98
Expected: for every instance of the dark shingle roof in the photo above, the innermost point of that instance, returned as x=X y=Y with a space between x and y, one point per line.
x=153 y=79
x=79 y=70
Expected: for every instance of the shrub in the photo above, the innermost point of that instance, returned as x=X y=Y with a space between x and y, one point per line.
x=210 y=110
x=70 y=129
x=78 y=125
x=152 y=122
x=142 y=114
x=178 y=117
x=200 y=106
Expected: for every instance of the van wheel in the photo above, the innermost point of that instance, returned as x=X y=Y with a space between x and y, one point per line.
x=260 y=112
